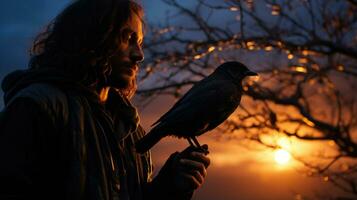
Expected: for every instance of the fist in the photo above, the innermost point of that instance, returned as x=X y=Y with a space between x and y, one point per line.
x=190 y=168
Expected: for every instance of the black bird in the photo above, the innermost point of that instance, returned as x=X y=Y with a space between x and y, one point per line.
x=205 y=106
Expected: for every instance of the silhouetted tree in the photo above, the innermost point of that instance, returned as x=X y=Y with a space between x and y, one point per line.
x=306 y=54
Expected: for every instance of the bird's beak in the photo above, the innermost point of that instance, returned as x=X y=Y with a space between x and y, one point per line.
x=250 y=73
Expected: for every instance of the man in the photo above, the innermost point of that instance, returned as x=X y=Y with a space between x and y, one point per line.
x=68 y=129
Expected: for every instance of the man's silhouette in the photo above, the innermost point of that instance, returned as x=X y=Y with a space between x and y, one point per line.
x=68 y=128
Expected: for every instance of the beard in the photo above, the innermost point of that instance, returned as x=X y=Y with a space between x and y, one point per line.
x=123 y=74
x=123 y=80
x=130 y=89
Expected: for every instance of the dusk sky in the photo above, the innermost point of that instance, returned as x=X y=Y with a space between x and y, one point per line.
x=237 y=172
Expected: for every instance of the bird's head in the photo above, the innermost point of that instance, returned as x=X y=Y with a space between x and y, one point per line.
x=235 y=70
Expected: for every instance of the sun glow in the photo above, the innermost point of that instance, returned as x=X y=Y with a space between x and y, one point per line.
x=282 y=156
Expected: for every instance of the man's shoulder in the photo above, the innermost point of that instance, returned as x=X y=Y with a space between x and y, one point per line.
x=49 y=98
x=42 y=93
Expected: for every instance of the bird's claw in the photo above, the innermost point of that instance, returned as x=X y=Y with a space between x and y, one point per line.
x=194 y=143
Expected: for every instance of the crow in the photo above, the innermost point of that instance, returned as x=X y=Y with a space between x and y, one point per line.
x=205 y=106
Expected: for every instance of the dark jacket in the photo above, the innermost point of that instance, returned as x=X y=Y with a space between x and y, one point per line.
x=57 y=141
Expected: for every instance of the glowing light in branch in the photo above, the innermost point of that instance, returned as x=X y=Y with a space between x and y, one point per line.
x=340 y=68
x=233 y=9
x=301 y=69
x=275 y=9
x=250 y=45
x=211 y=49
x=196 y=57
x=303 y=60
x=308 y=122
x=268 y=48
x=326 y=178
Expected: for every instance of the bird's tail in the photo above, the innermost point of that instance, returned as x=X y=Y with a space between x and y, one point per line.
x=148 y=141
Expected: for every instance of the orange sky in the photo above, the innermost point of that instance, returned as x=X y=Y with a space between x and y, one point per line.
x=237 y=172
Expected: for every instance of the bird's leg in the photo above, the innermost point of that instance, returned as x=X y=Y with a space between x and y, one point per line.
x=189 y=139
x=197 y=144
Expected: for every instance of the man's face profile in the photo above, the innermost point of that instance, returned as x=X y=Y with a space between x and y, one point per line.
x=125 y=62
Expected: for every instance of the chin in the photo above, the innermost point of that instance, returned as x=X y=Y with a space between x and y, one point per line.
x=125 y=83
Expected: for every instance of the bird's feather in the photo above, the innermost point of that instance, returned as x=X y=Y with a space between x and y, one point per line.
x=200 y=107
x=195 y=90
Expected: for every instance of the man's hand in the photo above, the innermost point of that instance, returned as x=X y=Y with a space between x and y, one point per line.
x=189 y=169
x=182 y=173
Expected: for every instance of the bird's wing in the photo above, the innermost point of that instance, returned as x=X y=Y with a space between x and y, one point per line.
x=197 y=88
x=204 y=105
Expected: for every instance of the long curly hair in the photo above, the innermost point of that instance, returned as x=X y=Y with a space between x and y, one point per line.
x=82 y=38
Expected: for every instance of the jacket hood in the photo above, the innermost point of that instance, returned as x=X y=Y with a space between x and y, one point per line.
x=19 y=79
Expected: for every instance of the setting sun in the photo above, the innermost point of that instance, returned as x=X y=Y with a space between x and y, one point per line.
x=282 y=156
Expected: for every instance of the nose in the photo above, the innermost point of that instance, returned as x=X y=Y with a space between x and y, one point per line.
x=137 y=54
